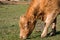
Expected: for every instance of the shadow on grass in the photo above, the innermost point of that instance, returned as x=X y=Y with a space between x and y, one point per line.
x=58 y=33
x=33 y=37
x=36 y=36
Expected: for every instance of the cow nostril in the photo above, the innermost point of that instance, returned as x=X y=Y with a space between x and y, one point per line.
x=22 y=37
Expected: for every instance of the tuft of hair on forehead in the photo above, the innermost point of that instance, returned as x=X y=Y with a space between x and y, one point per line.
x=22 y=18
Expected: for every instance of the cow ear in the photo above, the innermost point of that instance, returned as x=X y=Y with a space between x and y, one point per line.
x=22 y=18
x=31 y=21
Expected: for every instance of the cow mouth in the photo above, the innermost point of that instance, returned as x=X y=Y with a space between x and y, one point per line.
x=25 y=37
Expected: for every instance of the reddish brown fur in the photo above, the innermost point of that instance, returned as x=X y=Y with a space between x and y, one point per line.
x=46 y=10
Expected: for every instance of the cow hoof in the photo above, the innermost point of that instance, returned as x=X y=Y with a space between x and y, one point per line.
x=42 y=36
x=52 y=34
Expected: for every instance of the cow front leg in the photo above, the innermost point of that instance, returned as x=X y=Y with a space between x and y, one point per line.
x=53 y=32
x=45 y=31
x=50 y=18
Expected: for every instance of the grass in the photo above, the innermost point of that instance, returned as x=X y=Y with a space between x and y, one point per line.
x=9 y=30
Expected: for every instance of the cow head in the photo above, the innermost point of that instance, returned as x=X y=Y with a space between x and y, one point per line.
x=26 y=27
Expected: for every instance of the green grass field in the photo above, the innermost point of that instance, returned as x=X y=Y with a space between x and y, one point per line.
x=9 y=29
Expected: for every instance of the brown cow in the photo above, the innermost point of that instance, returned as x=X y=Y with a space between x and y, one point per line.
x=47 y=10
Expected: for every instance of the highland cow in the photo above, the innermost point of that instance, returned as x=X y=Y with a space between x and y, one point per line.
x=46 y=10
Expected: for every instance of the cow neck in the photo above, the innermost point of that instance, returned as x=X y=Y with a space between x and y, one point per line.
x=31 y=15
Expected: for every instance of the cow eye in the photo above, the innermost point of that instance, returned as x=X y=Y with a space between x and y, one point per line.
x=29 y=23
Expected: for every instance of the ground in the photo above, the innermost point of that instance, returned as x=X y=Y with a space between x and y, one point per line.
x=9 y=29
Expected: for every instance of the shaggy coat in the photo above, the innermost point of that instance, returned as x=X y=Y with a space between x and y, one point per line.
x=46 y=10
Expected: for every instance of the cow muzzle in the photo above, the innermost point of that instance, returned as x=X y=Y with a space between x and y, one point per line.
x=23 y=37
